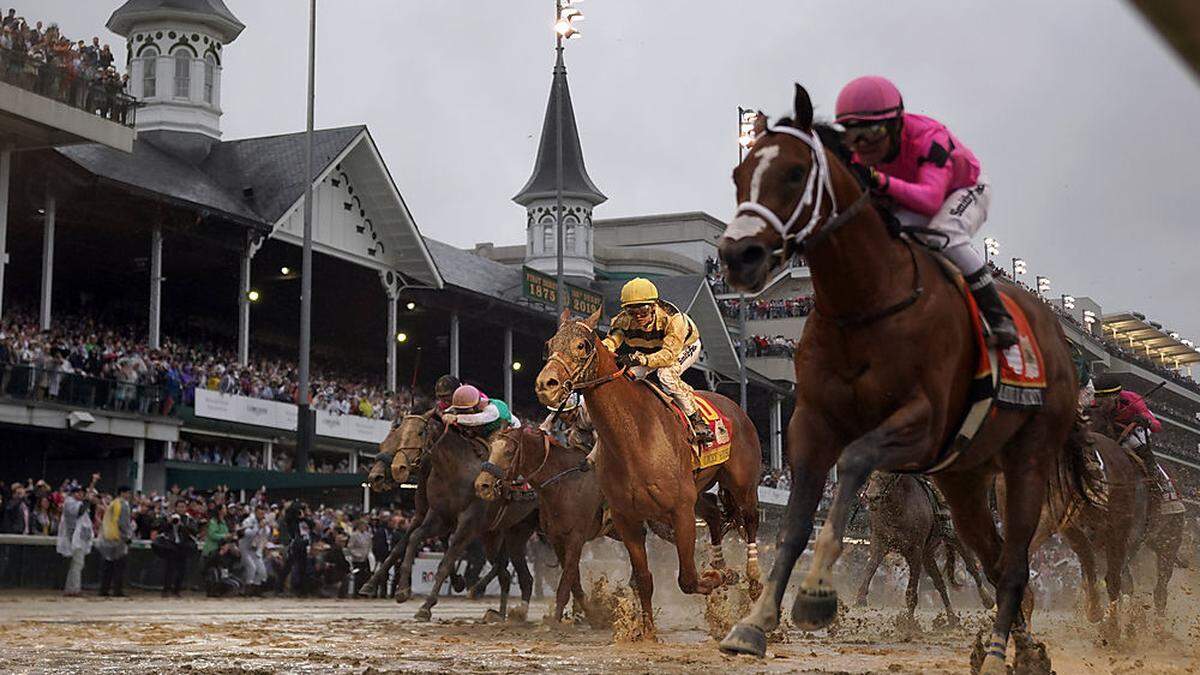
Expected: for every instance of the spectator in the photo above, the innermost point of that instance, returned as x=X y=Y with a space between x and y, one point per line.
x=18 y=517
x=360 y=551
x=252 y=539
x=174 y=543
x=116 y=531
x=75 y=542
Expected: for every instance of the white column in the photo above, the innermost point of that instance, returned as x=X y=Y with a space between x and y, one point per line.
x=508 y=362
x=5 y=174
x=776 y=432
x=48 y=258
x=244 y=306
x=353 y=461
x=454 y=344
x=139 y=458
x=155 y=286
x=269 y=456
x=366 y=498
x=391 y=341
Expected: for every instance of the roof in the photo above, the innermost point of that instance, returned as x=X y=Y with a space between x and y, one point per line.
x=273 y=166
x=1133 y=331
x=474 y=273
x=575 y=180
x=151 y=169
x=1179 y=23
x=212 y=13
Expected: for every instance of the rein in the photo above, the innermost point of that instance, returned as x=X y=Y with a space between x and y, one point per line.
x=866 y=318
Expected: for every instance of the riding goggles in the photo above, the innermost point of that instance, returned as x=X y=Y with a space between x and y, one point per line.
x=865 y=133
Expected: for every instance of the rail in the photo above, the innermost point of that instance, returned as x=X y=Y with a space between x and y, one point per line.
x=34 y=383
x=81 y=89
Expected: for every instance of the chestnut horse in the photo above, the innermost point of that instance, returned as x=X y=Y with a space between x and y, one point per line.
x=882 y=374
x=644 y=457
x=570 y=506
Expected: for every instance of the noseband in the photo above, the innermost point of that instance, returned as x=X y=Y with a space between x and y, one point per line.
x=588 y=366
x=816 y=187
x=414 y=464
x=506 y=479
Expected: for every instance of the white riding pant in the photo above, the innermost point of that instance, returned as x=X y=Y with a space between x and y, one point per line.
x=254 y=570
x=1136 y=438
x=671 y=377
x=961 y=216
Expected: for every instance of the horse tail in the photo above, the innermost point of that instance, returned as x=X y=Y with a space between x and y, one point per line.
x=951 y=564
x=1079 y=482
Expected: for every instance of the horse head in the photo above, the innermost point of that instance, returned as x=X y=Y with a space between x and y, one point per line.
x=490 y=483
x=407 y=444
x=785 y=193
x=575 y=354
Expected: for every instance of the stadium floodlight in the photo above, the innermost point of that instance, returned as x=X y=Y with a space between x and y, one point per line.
x=746 y=120
x=1018 y=267
x=253 y=296
x=516 y=366
x=1174 y=335
x=401 y=337
x=1089 y=317
x=991 y=247
x=285 y=270
x=1043 y=285
x=411 y=306
x=1068 y=302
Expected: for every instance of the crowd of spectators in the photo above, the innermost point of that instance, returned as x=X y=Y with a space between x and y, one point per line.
x=251 y=547
x=249 y=455
x=82 y=361
x=39 y=58
x=779 y=308
x=779 y=479
x=761 y=345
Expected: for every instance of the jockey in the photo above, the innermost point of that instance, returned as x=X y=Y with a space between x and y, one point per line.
x=652 y=335
x=443 y=391
x=931 y=176
x=470 y=408
x=572 y=424
x=1131 y=408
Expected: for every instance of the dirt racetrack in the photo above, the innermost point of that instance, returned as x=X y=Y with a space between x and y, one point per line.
x=42 y=632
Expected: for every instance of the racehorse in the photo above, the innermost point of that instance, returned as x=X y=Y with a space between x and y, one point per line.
x=504 y=528
x=882 y=375
x=570 y=506
x=644 y=458
x=1163 y=530
x=902 y=518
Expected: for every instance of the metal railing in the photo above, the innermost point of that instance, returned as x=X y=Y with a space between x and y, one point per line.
x=32 y=383
x=83 y=89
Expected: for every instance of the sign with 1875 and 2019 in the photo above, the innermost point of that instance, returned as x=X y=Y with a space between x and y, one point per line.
x=542 y=288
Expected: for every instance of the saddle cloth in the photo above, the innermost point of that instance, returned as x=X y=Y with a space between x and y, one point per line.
x=1022 y=370
x=713 y=453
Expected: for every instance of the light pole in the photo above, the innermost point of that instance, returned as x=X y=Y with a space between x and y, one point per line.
x=1043 y=286
x=1089 y=318
x=746 y=117
x=1018 y=268
x=565 y=16
x=1068 y=303
x=304 y=425
x=991 y=247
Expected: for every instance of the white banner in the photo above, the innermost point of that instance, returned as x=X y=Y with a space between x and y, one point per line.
x=276 y=415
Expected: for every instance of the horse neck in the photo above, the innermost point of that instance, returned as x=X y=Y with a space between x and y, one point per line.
x=533 y=451
x=608 y=403
x=452 y=457
x=860 y=266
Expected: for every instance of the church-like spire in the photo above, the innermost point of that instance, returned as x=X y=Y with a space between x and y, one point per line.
x=576 y=183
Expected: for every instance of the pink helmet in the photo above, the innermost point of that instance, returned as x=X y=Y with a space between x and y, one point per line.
x=467 y=397
x=868 y=99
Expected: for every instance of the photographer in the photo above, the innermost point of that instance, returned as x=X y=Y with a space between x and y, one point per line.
x=174 y=544
x=252 y=538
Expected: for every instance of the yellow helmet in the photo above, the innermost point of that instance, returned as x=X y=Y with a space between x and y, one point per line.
x=638 y=291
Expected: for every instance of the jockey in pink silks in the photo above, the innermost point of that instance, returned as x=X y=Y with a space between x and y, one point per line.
x=933 y=179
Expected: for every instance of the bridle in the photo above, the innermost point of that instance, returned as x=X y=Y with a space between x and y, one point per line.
x=506 y=479
x=414 y=464
x=588 y=366
x=817 y=187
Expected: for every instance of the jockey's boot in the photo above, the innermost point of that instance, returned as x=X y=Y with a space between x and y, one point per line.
x=589 y=462
x=704 y=435
x=1147 y=456
x=1004 y=331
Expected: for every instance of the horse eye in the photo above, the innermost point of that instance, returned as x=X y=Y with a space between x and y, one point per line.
x=581 y=346
x=796 y=174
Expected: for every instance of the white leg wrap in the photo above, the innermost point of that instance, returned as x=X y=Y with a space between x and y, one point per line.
x=751 y=551
x=718 y=555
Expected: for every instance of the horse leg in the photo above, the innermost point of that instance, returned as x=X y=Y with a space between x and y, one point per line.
x=903 y=436
x=811 y=458
x=864 y=588
x=972 y=568
x=462 y=536
x=1165 y=543
x=931 y=569
x=433 y=525
x=748 y=514
x=516 y=543
x=568 y=559
x=710 y=512
x=633 y=535
x=1082 y=546
x=683 y=521
x=912 y=591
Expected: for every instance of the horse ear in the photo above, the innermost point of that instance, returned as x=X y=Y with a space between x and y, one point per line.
x=594 y=320
x=564 y=317
x=803 y=109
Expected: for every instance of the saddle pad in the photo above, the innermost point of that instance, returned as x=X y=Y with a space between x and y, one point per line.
x=716 y=452
x=1022 y=369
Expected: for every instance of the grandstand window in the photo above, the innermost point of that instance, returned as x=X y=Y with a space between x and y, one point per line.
x=149 y=73
x=210 y=73
x=548 y=238
x=569 y=239
x=183 y=74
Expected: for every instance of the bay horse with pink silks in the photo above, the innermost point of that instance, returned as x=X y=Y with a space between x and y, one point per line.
x=883 y=371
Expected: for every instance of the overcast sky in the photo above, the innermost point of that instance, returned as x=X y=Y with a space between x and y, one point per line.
x=1086 y=123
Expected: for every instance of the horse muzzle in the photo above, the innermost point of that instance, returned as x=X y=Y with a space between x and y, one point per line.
x=487 y=487
x=747 y=262
x=401 y=471
x=378 y=481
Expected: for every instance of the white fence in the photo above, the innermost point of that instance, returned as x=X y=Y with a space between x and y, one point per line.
x=277 y=415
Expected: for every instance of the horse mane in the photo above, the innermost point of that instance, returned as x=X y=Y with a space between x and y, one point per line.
x=831 y=138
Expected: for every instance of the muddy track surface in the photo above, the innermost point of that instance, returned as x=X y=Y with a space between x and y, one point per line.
x=45 y=633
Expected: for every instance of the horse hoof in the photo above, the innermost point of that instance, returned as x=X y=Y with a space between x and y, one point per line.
x=367 y=591
x=756 y=588
x=814 y=610
x=423 y=614
x=745 y=638
x=987 y=601
x=729 y=575
x=518 y=613
x=402 y=595
x=458 y=583
x=860 y=601
x=492 y=616
x=993 y=665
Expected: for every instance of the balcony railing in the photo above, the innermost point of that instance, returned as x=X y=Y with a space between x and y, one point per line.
x=31 y=383
x=79 y=89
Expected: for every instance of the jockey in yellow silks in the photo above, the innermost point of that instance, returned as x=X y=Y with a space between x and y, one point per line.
x=651 y=335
